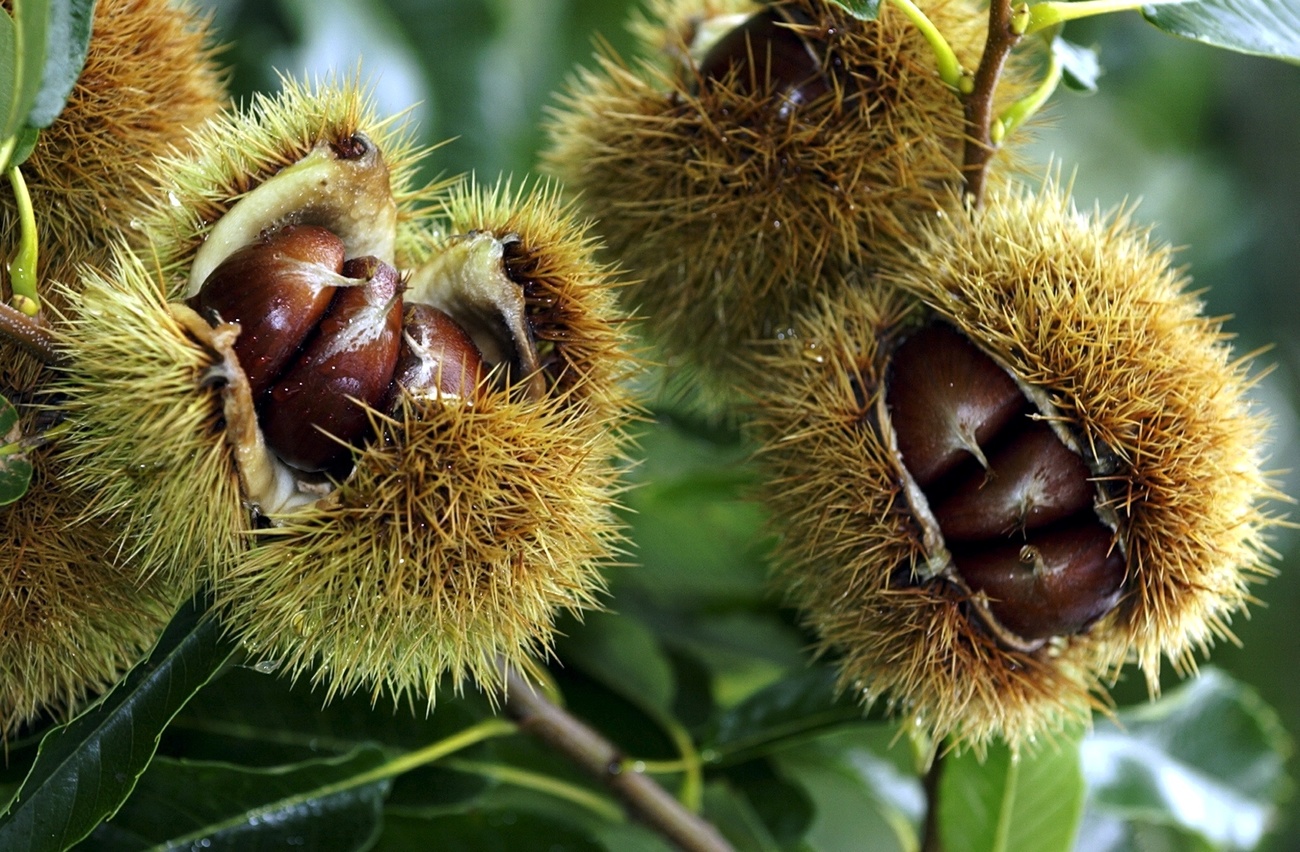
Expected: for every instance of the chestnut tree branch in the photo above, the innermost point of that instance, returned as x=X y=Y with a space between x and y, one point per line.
x=641 y=795
x=979 y=103
x=31 y=333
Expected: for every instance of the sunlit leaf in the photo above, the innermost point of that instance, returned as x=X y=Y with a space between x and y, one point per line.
x=1208 y=759
x=67 y=40
x=1007 y=803
x=331 y=805
x=1080 y=67
x=1263 y=27
x=87 y=768
x=866 y=10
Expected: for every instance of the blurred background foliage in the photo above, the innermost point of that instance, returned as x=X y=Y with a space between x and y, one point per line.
x=1208 y=142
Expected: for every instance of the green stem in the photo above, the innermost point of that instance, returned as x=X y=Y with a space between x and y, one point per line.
x=950 y=70
x=485 y=730
x=692 y=791
x=22 y=269
x=1043 y=15
x=1022 y=109
x=547 y=784
x=1000 y=841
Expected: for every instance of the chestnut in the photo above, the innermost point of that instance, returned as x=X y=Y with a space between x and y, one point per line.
x=764 y=54
x=314 y=410
x=277 y=289
x=1059 y=585
x=1033 y=480
x=946 y=399
x=438 y=357
x=1013 y=502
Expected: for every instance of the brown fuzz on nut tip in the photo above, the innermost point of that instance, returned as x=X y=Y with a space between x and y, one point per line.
x=438 y=358
x=946 y=400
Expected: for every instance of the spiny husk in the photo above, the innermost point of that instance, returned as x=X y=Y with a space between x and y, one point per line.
x=144 y=429
x=73 y=616
x=1086 y=310
x=1089 y=310
x=150 y=78
x=848 y=545
x=725 y=210
x=470 y=525
x=572 y=295
x=233 y=155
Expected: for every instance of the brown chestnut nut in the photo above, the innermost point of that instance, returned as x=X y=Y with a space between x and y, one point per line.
x=1058 y=585
x=277 y=289
x=1032 y=480
x=765 y=55
x=438 y=357
x=946 y=399
x=310 y=414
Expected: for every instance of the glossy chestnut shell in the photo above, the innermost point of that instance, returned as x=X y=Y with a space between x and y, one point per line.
x=1013 y=503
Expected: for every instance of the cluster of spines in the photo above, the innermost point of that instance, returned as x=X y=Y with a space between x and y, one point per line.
x=723 y=208
x=74 y=615
x=234 y=153
x=1088 y=309
x=150 y=77
x=467 y=527
x=1090 y=314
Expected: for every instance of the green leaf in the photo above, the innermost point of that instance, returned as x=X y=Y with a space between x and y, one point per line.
x=87 y=768
x=32 y=18
x=1005 y=803
x=733 y=815
x=485 y=830
x=262 y=720
x=67 y=40
x=1080 y=67
x=625 y=656
x=1261 y=27
x=25 y=144
x=15 y=467
x=326 y=804
x=864 y=794
x=802 y=704
x=9 y=71
x=865 y=10
x=1209 y=759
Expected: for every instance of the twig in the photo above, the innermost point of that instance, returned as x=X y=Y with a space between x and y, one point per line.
x=979 y=103
x=643 y=798
x=32 y=334
x=930 y=840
